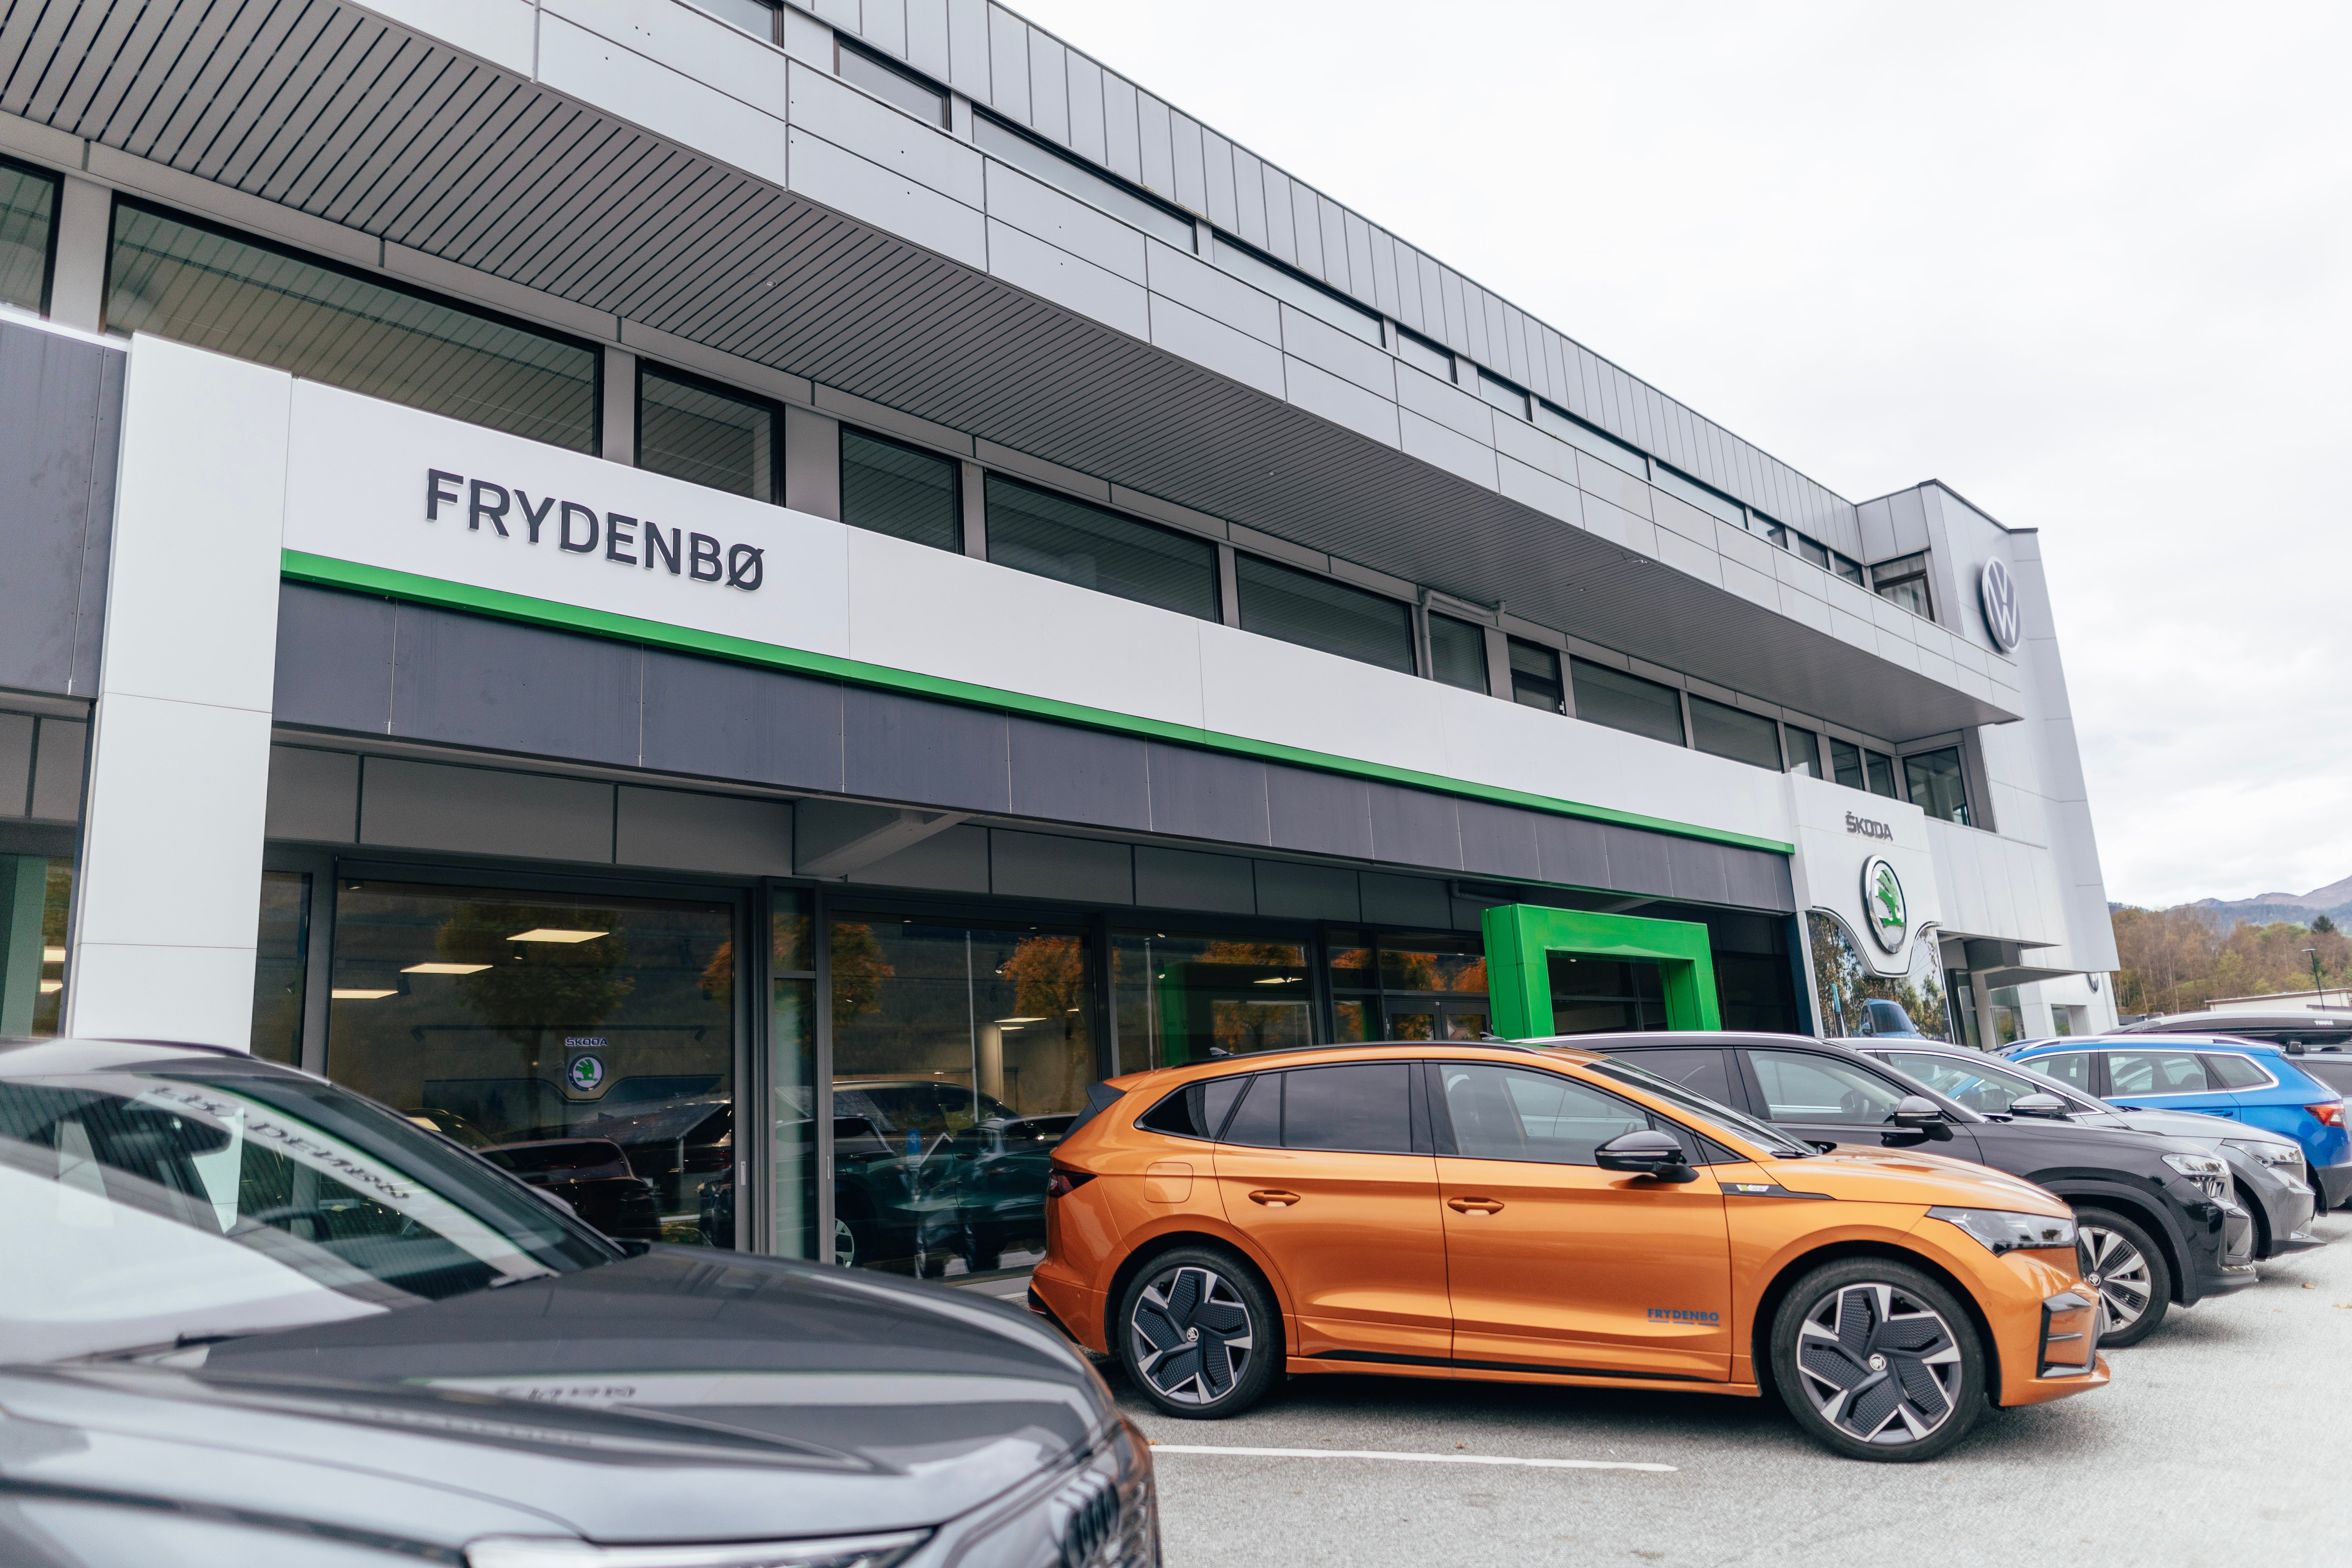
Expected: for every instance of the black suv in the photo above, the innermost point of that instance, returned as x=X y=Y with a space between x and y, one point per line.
x=2157 y=1221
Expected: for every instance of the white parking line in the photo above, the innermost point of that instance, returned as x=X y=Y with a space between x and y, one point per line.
x=1412 y=1459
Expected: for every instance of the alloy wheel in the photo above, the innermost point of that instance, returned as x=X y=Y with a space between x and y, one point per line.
x=1193 y=1335
x=844 y=1244
x=1879 y=1364
x=2118 y=1271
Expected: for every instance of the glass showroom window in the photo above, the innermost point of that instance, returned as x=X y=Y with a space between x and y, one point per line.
x=792 y=1077
x=1034 y=530
x=1535 y=678
x=1904 y=580
x=898 y=491
x=960 y=1053
x=36 y=892
x=1188 y=996
x=1735 y=732
x=691 y=430
x=1804 y=751
x=219 y=290
x=279 y=978
x=1457 y=653
x=555 y=1031
x=1413 y=985
x=1848 y=984
x=1628 y=702
x=28 y=210
x=1316 y=612
x=1939 y=785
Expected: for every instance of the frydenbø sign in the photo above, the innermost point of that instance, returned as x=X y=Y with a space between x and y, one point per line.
x=577 y=528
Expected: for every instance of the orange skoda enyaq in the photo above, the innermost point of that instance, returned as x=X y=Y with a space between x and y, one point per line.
x=1548 y=1216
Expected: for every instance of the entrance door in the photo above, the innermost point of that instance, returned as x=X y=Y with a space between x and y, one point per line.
x=1557 y=1265
x=1318 y=1169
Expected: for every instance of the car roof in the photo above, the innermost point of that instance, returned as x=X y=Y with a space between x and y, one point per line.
x=43 y=1057
x=2140 y=1042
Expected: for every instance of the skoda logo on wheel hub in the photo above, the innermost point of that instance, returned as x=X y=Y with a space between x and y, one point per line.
x=1885 y=909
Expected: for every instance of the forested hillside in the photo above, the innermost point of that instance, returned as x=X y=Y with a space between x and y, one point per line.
x=2174 y=960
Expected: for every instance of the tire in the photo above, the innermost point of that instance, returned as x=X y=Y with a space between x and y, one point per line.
x=1198 y=1334
x=2124 y=1264
x=1876 y=1360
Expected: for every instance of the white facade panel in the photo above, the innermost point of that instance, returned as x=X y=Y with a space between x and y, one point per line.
x=849 y=184
x=1055 y=274
x=671 y=103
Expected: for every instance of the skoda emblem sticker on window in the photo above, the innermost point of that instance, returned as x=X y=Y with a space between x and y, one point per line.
x=1996 y=591
x=586 y=1072
x=1883 y=907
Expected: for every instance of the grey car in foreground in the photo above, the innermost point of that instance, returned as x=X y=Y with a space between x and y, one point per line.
x=249 y=1318
x=2267 y=1169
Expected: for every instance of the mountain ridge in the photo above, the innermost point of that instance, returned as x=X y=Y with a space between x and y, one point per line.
x=2319 y=899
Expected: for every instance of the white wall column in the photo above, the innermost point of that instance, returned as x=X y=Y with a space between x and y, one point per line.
x=166 y=914
x=85 y=229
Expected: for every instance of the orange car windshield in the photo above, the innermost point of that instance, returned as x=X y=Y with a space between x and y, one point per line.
x=1758 y=1132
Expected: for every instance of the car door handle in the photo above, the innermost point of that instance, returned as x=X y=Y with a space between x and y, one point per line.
x=1274 y=1197
x=1474 y=1205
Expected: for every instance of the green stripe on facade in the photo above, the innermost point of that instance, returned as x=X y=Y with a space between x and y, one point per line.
x=328 y=571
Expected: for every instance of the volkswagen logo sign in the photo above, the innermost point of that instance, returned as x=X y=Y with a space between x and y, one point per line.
x=1883 y=907
x=1997 y=592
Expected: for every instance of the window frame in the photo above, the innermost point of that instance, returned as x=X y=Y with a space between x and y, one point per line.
x=1001 y=477
x=1967 y=818
x=1681 y=709
x=595 y=349
x=1485 y=687
x=1411 y=652
x=1916 y=571
x=1561 y=705
x=56 y=204
x=717 y=389
x=1779 y=763
x=844 y=427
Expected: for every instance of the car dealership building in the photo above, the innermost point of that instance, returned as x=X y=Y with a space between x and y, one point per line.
x=620 y=570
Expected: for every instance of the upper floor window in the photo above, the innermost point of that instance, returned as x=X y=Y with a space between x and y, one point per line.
x=1881 y=768
x=1845 y=765
x=1286 y=285
x=757 y=17
x=1804 y=751
x=248 y=299
x=999 y=141
x=1301 y=607
x=693 y=431
x=1847 y=567
x=1421 y=355
x=1939 y=784
x=1503 y=395
x=1905 y=581
x=28 y=214
x=1699 y=496
x=1457 y=653
x=1535 y=678
x=1054 y=536
x=1734 y=732
x=1628 y=702
x=1814 y=551
x=1586 y=439
x=900 y=490
x=888 y=82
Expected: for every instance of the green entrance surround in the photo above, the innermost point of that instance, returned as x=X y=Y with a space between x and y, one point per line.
x=1521 y=939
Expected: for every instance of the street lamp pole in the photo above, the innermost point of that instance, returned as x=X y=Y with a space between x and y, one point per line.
x=2318 y=993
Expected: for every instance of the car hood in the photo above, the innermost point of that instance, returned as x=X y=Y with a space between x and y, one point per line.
x=1859 y=1173
x=682 y=1395
x=2192 y=1125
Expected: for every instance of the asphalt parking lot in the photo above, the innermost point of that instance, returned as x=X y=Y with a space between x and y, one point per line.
x=2225 y=1439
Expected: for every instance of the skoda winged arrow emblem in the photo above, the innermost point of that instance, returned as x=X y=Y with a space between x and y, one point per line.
x=1884 y=907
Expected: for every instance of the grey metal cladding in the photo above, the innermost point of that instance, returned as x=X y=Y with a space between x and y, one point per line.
x=688 y=832
x=1188 y=147
x=1218 y=179
x=928 y=45
x=968 y=31
x=903 y=748
x=1288 y=891
x=1639 y=861
x=1086 y=85
x=313 y=796
x=1572 y=851
x=1157 y=142
x=1193 y=880
x=1758 y=879
x=484 y=811
x=1415 y=827
x=334 y=659
x=1499 y=841
x=16 y=762
x=714 y=719
x=1122 y=144
x=1404 y=900
x=1046 y=866
x=467 y=680
x=59 y=749
x=1008 y=64
x=1049 y=87
x=1063 y=774
x=60 y=406
x=1318 y=813
x=1207 y=794
x=1696 y=867
x=883 y=23
x=1249 y=198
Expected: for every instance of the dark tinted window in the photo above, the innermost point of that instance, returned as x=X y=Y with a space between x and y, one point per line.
x=1628 y=702
x=706 y=436
x=28 y=205
x=1804 y=751
x=2235 y=1072
x=2157 y=1072
x=1535 y=678
x=1845 y=762
x=1457 y=653
x=1316 y=612
x=1259 y=1120
x=1196 y=1111
x=1054 y=536
x=1512 y=1113
x=1882 y=773
x=1703 y=1071
x=1362 y=1106
x=2335 y=1071
x=1936 y=785
x=1735 y=732
x=2071 y=1069
x=898 y=491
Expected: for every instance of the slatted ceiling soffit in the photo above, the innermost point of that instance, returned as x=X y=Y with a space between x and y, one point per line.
x=323 y=108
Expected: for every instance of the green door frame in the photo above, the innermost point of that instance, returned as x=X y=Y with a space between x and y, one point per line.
x=1521 y=938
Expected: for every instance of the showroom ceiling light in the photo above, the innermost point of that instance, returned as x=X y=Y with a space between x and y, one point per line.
x=1037 y=1020
x=353 y=994
x=53 y=955
x=556 y=933
x=444 y=969
x=51 y=987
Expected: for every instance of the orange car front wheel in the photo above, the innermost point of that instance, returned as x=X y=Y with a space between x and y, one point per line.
x=1877 y=1361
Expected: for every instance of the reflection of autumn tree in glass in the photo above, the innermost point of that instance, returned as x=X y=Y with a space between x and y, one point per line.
x=535 y=986
x=858 y=971
x=1049 y=980
x=1846 y=983
x=788 y=950
x=1245 y=1026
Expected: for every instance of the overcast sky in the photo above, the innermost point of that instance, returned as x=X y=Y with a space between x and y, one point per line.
x=2085 y=264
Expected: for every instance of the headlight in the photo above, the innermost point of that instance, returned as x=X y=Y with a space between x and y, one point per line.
x=2278 y=1157
x=2002 y=1231
x=2199 y=1166
x=838 y=1552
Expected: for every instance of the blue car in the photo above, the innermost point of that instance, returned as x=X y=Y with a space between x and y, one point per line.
x=2256 y=1084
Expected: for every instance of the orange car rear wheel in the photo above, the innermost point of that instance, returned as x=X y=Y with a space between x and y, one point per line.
x=1197 y=1333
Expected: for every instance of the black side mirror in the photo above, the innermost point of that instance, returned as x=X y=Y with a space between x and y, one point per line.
x=1647 y=1152
x=2047 y=1106
x=1918 y=1113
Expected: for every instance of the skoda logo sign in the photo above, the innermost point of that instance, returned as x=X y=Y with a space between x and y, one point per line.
x=1997 y=590
x=586 y=1072
x=1883 y=907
